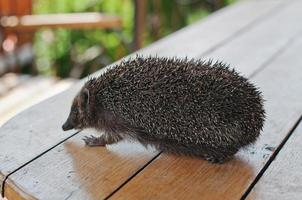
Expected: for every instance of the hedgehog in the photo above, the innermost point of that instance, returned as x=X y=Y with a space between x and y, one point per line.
x=182 y=106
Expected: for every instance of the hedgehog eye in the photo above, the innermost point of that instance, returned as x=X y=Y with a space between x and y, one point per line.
x=74 y=111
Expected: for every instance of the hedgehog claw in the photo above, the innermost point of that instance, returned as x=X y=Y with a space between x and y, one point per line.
x=215 y=159
x=93 y=141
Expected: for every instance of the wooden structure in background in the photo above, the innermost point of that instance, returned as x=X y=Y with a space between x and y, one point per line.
x=15 y=8
x=17 y=27
x=66 y=20
x=39 y=160
x=140 y=23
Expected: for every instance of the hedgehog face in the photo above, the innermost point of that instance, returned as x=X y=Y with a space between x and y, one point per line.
x=78 y=116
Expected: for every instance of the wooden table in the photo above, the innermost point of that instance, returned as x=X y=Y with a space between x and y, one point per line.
x=261 y=39
x=64 y=20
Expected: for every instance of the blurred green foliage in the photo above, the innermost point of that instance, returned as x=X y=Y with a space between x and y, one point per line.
x=77 y=53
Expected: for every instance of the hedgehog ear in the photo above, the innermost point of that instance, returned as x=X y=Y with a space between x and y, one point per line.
x=85 y=96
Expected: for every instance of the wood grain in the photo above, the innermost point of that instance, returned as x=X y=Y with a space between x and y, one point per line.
x=262 y=42
x=283 y=178
x=171 y=177
x=10 y=191
x=30 y=92
x=67 y=20
x=34 y=131
x=217 y=29
x=75 y=171
x=29 y=132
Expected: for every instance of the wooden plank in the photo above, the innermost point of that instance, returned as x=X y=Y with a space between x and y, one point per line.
x=45 y=118
x=171 y=177
x=29 y=93
x=75 y=171
x=30 y=135
x=67 y=20
x=218 y=28
x=269 y=37
x=283 y=178
x=15 y=99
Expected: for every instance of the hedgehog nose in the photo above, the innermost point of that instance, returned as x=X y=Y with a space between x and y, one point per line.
x=67 y=126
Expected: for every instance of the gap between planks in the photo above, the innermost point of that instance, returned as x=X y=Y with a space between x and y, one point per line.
x=271 y=159
x=245 y=28
x=285 y=171
x=240 y=32
x=7 y=176
x=273 y=156
x=263 y=66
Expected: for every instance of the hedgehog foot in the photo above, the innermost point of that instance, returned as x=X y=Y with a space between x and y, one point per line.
x=93 y=141
x=216 y=159
x=107 y=138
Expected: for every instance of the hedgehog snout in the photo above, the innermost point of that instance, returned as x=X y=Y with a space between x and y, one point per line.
x=67 y=126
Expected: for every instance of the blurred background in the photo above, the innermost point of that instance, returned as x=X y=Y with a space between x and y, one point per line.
x=46 y=45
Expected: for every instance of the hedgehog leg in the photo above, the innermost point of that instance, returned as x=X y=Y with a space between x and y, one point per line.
x=106 y=138
x=94 y=141
x=219 y=157
x=216 y=159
